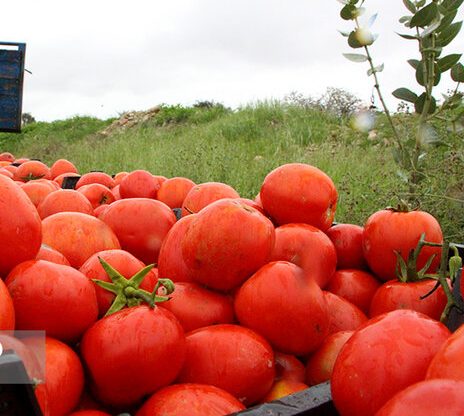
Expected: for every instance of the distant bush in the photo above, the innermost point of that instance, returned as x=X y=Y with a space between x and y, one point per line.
x=201 y=112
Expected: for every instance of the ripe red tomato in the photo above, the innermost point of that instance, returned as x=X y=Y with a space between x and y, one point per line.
x=387 y=231
x=398 y=295
x=344 y=316
x=132 y=353
x=204 y=194
x=77 y=236
x=285 y=306
x=50 y=254
x=384 y=356
x=140 y=184
x=141 y=224
x=95 y=177
x=347 y=239
x=288 y=367
x=195 y=306
x=64 y=200
x=52 y=297
x=171 y=264
x=32 y=169
x=174 y=190
x=299 y=193
x=230 y=357
x=7 y=156
x=20 y=226
x=282 y=388
x=427 y=398
x=320 y=364
x=125 y=263
x=7 y=313
x=307 y=247
x=97 y=194
x=192 y=400
x=37 y=191
x=89 y=413
x=226 y=243
x=356 y=286
x=62 y=166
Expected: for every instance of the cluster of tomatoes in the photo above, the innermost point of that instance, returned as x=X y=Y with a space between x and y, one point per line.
x=236 y=303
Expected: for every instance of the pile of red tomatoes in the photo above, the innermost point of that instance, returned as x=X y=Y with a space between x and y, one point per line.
x=269 y=297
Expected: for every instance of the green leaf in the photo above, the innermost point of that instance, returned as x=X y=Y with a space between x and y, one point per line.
x=348 y=12
x=405 y=20
x=420 y=102
x=376 y=69
x=446 y=36
x=414 y=63
x=420 y=4
x=448 y=61
x=447 y=19
x=405 y=36
x=425 y=16
x=420 y=74
x=431 y=28
x=451 y=4
x=353 y=40
x=405 y=95
x=410 y=6
x=355 y=57
x=457 y=73
x=453 y=102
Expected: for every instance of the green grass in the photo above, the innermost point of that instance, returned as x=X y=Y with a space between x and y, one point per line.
x=240 y=147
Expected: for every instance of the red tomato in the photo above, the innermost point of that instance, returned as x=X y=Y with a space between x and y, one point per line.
x=7 y=156
x=140 y=184
x=36 y=191
x=192 y=400
x=20 y=226
x=388 y=231
x=204 y=194
x=95 y=177
x=307 y=247
x=77 y=236
x=97 y=194
x=283 y=388
x=299 y=193
x=427 y=398
x=195 y=306
x=356 y=286
x=398 y=295
x=320 y=364
x=125 y=263
x=50 y=254
x=232 y=358
x=173 y=191
x=252 y=204
x=384 y=356
x=347 y=239
x=170 y=261
x=64 y=200
x=285 y=306
x=288 y=367
x=148 y=340
x=448 y=362
x=52 y=297
x=119 y=177
x=226 y=243
x=60 y=178
x=344 y=316
x=141 y=224
x=7 y=313
x=32 y=169
x=89 y=413
x=64 y=378
x=62 y=166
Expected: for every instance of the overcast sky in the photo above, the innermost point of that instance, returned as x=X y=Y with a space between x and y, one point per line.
x=101 y=58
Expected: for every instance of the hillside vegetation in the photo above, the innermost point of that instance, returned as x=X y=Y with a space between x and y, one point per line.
x=240 y=147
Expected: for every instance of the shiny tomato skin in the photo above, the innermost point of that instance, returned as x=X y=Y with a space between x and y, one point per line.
x=356 y=286
x=139 y=184
x=50 y=254
x=288 y=367
x=64 y=200
x=77 y=236
x=387 y=231
x=7 y=313
x=95 y=177
x=20 y=226
x=52 y=297
x=190 y=399
x=149 y=340
x=347 y=239
x=230 y=357
x=125 y=263
x=398 y=295
x=285 y=306
x=174 y=190
x=387 y=354
x=141 y=224
x=427 y=398
x=299 y=193
x=344 y=316
x=97 y=194
x=307 y=247
x=195 y=306
x=226 y=243
x=320 y=364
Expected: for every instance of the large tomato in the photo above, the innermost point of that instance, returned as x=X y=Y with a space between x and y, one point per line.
x=64 y=200
x=299 y=193
x=226 y=243
x=285 y=306
x=174 y=190
x=52 y=297
x=230 y=357
x=384 y=356
x=387 y=231
x=307 y=247
x=347 y=239
x=20 y=226
x=192 y=400
x=132 y=353
x=141 y=224
x=140 y=184
x=7 y=313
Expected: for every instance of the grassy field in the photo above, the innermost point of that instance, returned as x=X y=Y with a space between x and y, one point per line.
x=240 y=147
